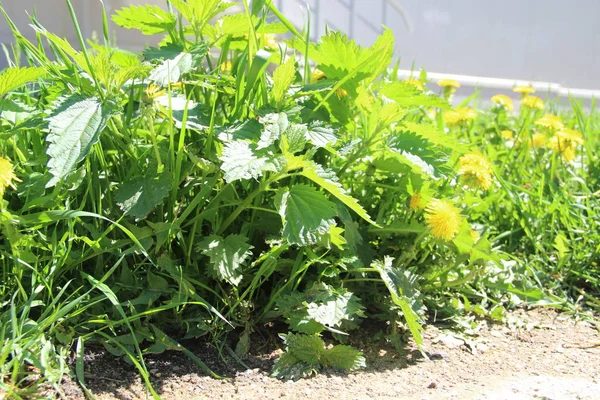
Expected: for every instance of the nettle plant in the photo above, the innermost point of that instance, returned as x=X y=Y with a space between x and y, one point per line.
x=228 y=178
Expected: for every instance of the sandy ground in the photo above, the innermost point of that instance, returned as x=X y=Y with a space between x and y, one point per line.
x=541 y=355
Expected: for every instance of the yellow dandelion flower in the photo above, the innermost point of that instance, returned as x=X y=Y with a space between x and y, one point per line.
x=7 y=175
x=550 y=121
x=570 y=135
x=416 y=201
x=524 y=89
x=459 y=116
x=443 y=219
x=475 y=235
x=341 y=93
x=448 y=83
x=537 y=140
x=226 y=66
x=507 y=134
x=504 y=101
x=317 y=75
x=151 y=93
x=414 y=82
x=533 y=102
x=266 y=39
x=568 y=153
x=476 y=170
x=565 y=142
x=270 y=41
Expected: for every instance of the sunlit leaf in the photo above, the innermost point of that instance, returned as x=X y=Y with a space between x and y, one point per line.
x=227 y=256
x=148 y=19
x=240 y=162
x=13 y=78
x=306 y=214
x=75 y=123
x=139 y=196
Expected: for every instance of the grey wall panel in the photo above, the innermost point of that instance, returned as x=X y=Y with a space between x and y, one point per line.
x=539 y=40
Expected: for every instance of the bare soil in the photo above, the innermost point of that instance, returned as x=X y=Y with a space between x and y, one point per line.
x=540 y=354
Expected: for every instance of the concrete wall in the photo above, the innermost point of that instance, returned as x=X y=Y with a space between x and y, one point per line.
x=539 y=40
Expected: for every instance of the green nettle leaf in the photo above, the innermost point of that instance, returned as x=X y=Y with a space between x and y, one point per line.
x=295 y=137
x=140 y=196
x=150 y=20
x=178 y=105
x=320 y=135
x=250 y=129
x=306 y=354
x=306 y=348
x=240 y=162
x=333 y=311
x=199 y=12
x=289 y=367
x=283 y=77
x=227 y=255
x=344 y=357
x=319 y=308
x=407 y=95
x=328 y=181
x=420 y=154
x=432 y=134
x=274 y=126
x=75 y=123
x=170 y=70
x=168 y=52
x=403 y=295
x=13 y=78
x=306 y=214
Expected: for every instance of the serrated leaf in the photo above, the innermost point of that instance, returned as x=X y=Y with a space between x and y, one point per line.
x=273 y=127
x=75 y=123
x=334 y=237
x=148 y=19
x=240 y=162
x=295 y=138
x=167 y=52
x=234 y=30
x=250 y=129
x=328 y=181
x=407 y=95
x=319 y=308
x=343 y=357
x=289 y=367
x=338 y=57
x=170 y=70
x=335 y=309
x=227 y=256
x=13 y=78
x=316 y=87
x=321 y=135
x=283 y=77
x=178 y=105
x=432 y=134
x=419 y=153
x=306 y=348
x=306 y=214
x=140 y=196
x=199 y=12
x=402 y=293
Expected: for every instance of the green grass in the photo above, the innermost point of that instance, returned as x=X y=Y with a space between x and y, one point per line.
x=206 y=187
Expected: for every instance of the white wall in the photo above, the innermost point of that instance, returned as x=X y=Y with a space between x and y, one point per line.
x=539 y=40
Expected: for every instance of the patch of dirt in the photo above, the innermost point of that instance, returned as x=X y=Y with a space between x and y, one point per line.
x=548 y=356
